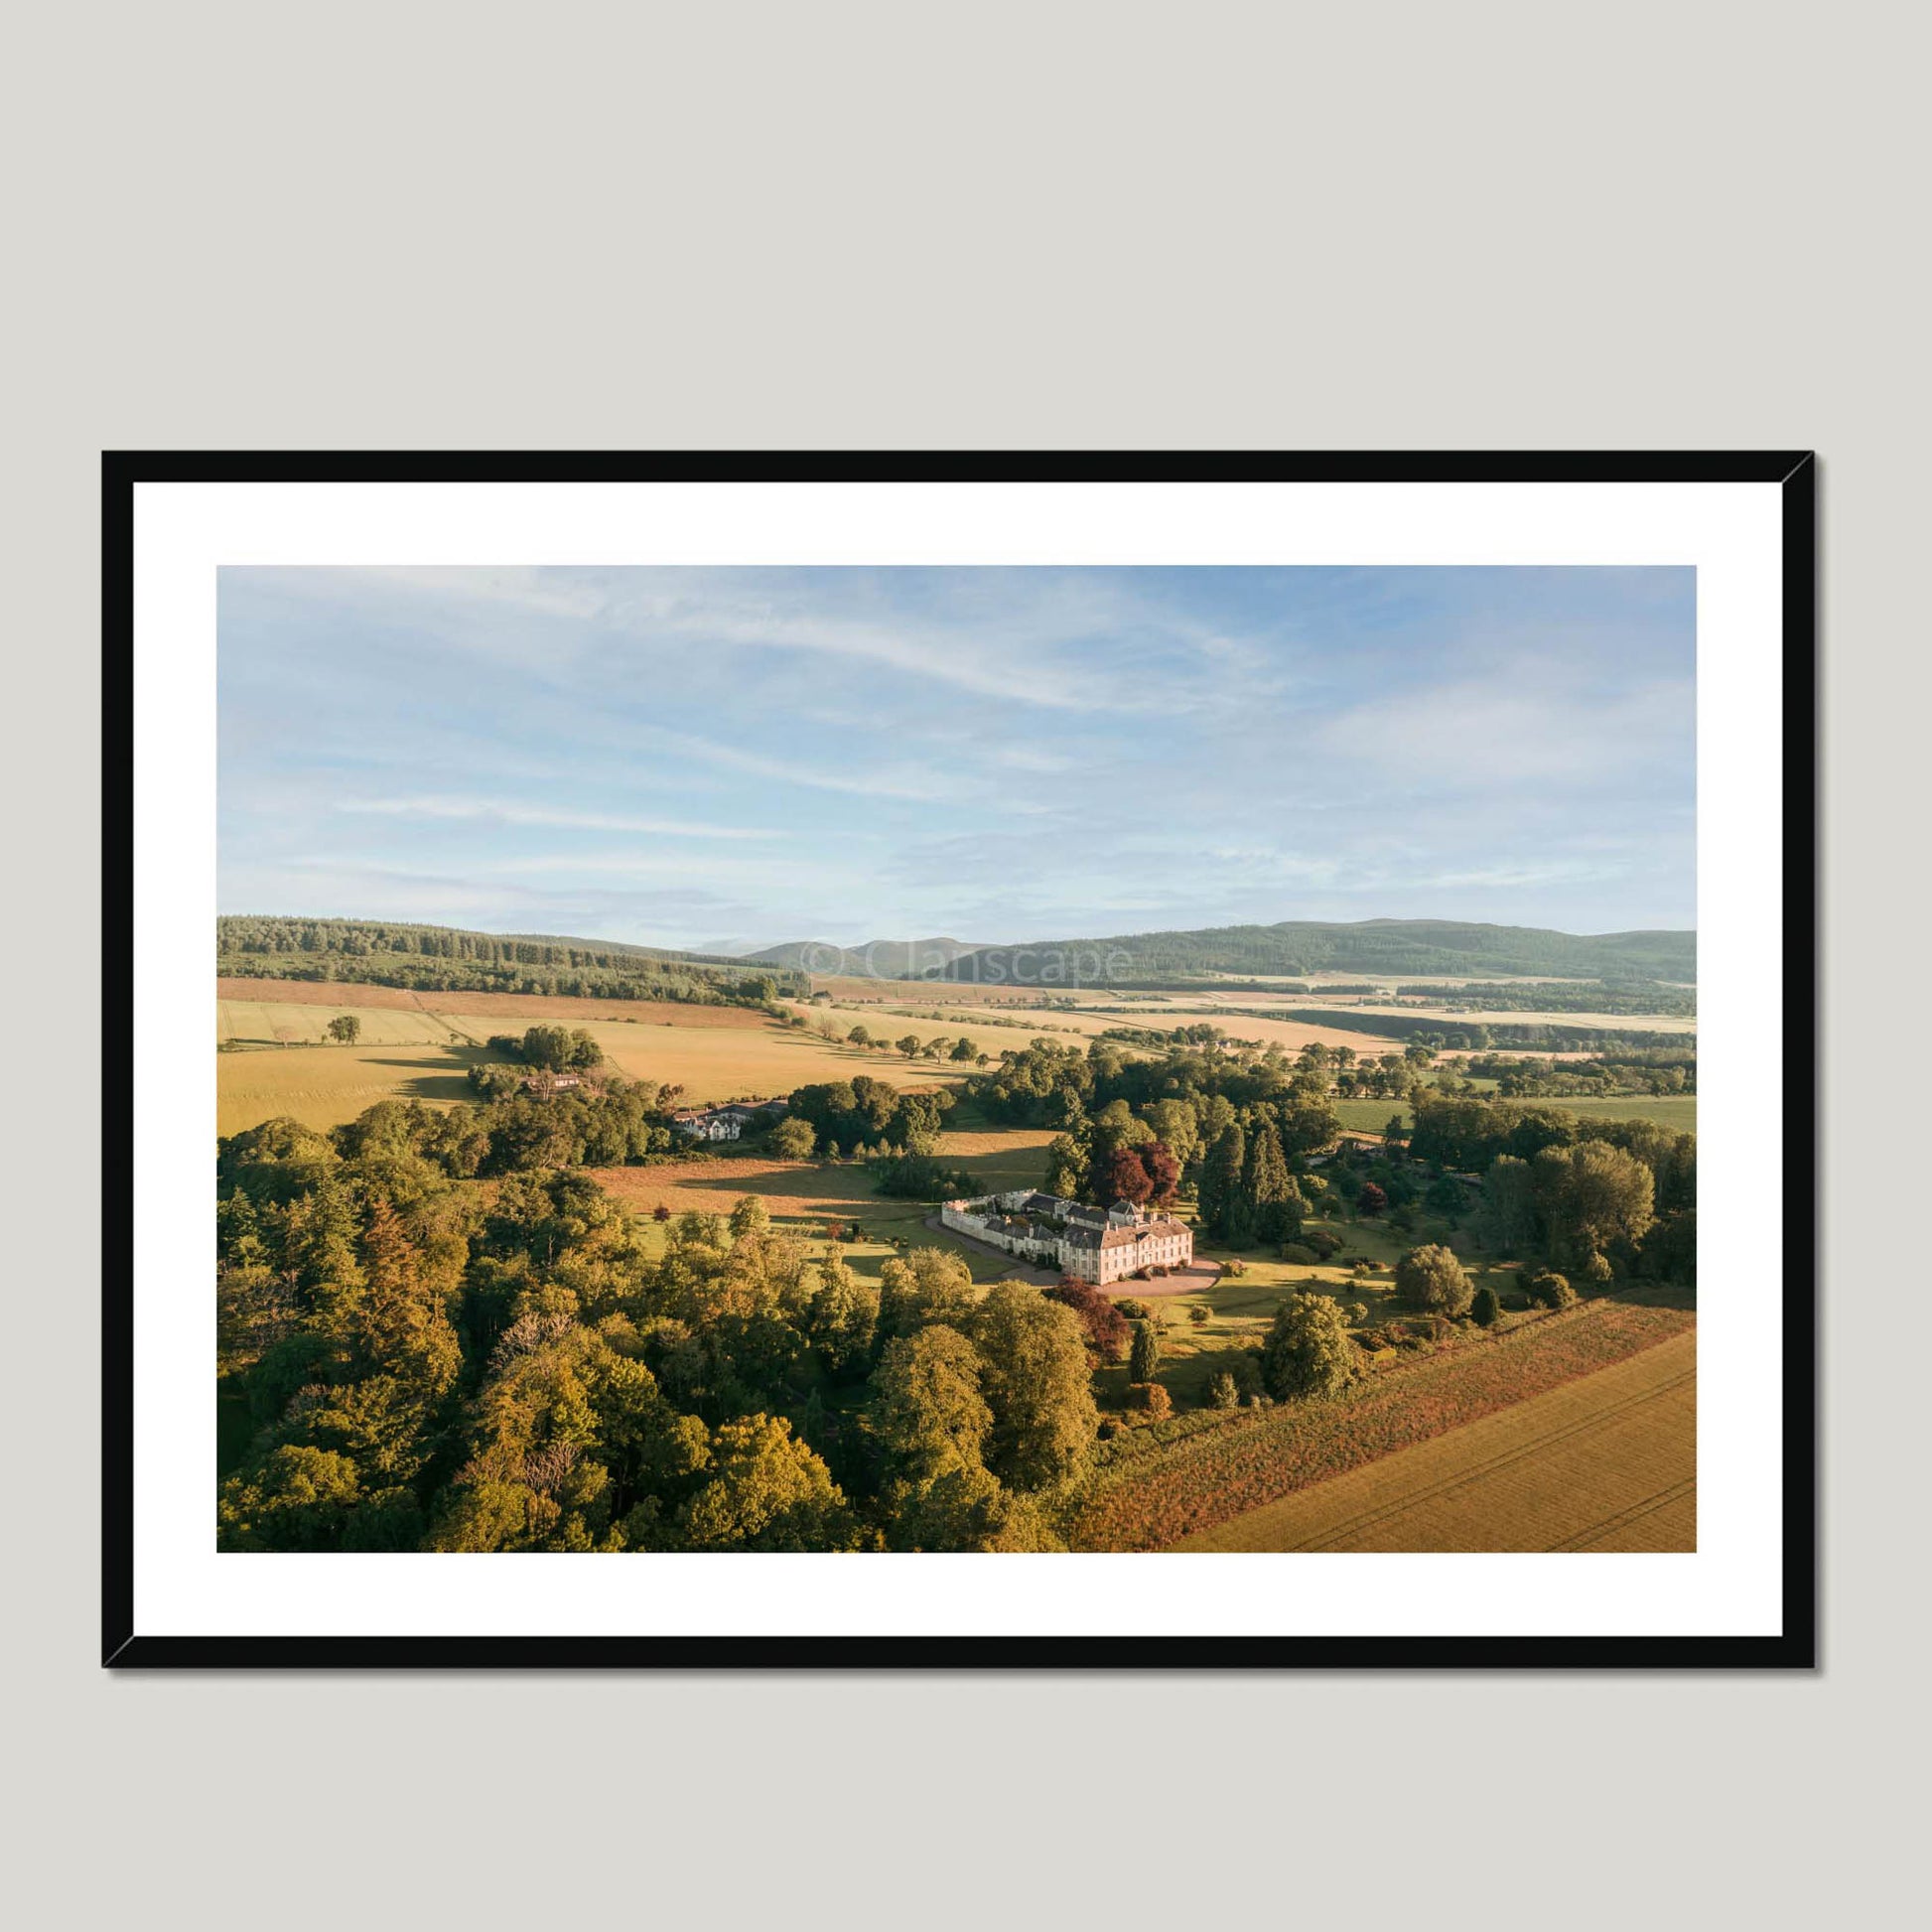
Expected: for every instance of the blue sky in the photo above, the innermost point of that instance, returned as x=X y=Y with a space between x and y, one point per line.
x=725 y=759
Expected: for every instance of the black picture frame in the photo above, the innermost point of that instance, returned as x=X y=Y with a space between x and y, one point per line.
x=1794 y=472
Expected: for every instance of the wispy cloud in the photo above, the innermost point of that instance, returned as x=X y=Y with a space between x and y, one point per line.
x=503 y=812
x=857 y=781
x=1005 y=755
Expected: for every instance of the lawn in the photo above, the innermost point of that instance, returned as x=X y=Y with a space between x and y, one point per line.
x=803 y=1195
x=1241 y=1308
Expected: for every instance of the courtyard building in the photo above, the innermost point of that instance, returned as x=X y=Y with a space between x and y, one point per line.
x=1091 y=1244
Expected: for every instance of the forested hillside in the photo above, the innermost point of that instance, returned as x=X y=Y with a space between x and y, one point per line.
x=1304 y=946
x=447 y=959
x=878 y=959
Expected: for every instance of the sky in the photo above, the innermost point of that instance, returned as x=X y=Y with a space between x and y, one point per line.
x=721 y=759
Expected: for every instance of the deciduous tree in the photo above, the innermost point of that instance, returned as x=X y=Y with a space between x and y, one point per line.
x=1308 y=1350
x=1037 y=1382
x=1432 y=1278
x=927 y=1405
x=765 y=1491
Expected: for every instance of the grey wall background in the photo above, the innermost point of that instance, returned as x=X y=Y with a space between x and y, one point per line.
x=1005 y=225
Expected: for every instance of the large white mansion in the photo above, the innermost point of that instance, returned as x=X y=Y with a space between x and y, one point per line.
x=1092 y=1244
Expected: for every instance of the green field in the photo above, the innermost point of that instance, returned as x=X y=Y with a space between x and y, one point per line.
x=1677 y=1110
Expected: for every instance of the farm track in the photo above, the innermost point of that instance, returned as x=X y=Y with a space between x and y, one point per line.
x=1598 y=1533
x=443 y=1019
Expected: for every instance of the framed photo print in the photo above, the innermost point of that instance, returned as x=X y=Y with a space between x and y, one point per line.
x=960 y=1059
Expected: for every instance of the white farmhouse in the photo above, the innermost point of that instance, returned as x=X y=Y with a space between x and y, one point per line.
x=727 y=1123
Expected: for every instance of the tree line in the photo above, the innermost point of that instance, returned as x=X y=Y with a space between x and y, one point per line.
x=445 y=959
x=1437 y=1030
x=1598 y=996
x=1656 y=1070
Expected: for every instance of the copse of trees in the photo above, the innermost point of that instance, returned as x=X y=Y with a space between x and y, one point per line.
x=616 y=1125
x=1584 y=1200
x=919 y=1177
x=1185 y=1098
x=553 y=1049
x=865 y=1113
x=346 y=1028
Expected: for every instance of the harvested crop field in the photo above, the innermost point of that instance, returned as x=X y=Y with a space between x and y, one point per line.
x=413 y=1049
x=257 y=1023
x=1198 y=1476
x=324 y=1086
x=1607 y=1462
x=533 y=1009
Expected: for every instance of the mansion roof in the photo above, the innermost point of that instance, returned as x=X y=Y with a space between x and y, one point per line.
x=1130 y=1237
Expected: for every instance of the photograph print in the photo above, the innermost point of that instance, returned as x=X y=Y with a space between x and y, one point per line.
x=871 y=1062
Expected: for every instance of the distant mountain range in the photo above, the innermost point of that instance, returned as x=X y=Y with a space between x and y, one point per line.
x=879 y=959
x=1293 y=947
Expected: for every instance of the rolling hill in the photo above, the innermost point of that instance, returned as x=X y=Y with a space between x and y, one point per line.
x=877 y=959
x=1383 y=946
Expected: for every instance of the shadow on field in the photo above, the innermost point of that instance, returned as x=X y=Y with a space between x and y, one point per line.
x=436 y=1085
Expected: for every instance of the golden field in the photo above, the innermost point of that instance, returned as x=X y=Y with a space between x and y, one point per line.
x=1607 y=1462
x=416 y=1048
